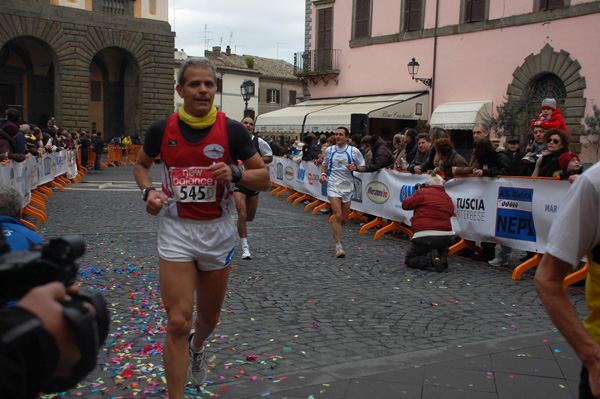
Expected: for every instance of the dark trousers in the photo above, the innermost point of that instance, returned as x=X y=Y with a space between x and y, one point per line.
x=97 y=161
x=418 y=254
x=585 y=392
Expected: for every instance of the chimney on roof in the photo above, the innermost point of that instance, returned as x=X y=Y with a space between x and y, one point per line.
x=217 y=50
x=228 y=50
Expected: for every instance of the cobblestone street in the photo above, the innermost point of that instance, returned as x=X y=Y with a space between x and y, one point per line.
x=293 y=309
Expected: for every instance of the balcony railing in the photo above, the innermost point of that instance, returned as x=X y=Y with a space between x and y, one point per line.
x=315 y=62
x=114 y=7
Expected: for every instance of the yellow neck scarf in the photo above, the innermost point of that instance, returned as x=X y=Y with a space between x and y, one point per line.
x=198 y=122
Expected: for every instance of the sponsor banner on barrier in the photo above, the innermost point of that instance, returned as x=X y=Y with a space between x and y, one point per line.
x=517 y=212
x=33 y=171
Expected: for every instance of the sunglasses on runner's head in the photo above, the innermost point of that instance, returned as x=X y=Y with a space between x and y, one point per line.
x=555 y=141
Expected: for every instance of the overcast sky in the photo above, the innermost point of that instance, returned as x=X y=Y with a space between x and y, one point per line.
x=265 y=28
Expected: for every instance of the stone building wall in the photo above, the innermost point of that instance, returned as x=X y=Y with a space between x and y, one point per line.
x=75 y=36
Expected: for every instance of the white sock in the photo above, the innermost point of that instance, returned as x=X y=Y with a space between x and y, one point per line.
x=338 y=245
x=195 y=348
x=244 y=241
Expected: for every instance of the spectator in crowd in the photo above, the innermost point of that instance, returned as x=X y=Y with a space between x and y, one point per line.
x=435 y=133
x=399 y=151
x=127 y=140
x=381 y=154
x=410 y=145
x=84 y=144
x=275 y=148
x=489 y=163
x=311 y=149
x=515 y=168
x=423 y=160
x=355 y=142
x=8 y=148
x=31 y=141
x=137 y=140
x=18 y=236
x=480 y=131
x=98 y=149
x=431 y=226
x=547 y=163
x=538 y=146
x=366 y=151
x=448 y=158
x=570 y=165
x=515 y=155
x=293 y=151
x=575 y=233
x=550 y=117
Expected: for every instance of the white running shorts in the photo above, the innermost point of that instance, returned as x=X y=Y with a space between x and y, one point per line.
x=209 y=243
x=340 y=188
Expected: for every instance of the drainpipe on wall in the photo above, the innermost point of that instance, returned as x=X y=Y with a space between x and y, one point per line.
x=221 y=96
x=435 y=40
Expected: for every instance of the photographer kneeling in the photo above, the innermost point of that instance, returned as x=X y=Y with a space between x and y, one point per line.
x=431 y=226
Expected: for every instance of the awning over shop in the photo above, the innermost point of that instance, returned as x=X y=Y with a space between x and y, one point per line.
x=291 y=119
x=324 y=115
x=393 y=106
x=460 y=115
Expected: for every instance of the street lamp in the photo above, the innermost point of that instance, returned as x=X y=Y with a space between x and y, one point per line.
x=247 y=90
x=413 y=69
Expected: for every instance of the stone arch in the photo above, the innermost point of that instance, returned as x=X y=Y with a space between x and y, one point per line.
x=27 y=77
x=560 y=64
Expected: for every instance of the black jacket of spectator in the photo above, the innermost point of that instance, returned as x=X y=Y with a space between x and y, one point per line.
x=425 y=160
x=496 y=164
x=382 y=155
x=311 y=152
x=411 y=151
x=550 y=163
x=515 y=167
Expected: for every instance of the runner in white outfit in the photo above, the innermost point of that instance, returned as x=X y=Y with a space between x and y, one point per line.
x=339 y=162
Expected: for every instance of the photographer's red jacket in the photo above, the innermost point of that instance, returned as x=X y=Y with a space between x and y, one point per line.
x=432 y=207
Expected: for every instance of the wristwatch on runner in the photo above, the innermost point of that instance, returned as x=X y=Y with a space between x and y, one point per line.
x=145 y=193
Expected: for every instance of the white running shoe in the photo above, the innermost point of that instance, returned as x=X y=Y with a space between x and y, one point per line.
x=498 y=261
x=198 y=367
x=246 y=253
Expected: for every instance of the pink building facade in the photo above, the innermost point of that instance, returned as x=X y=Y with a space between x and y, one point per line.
x=477 y=53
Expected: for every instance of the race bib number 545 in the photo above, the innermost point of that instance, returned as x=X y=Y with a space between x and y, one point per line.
x=193 y=184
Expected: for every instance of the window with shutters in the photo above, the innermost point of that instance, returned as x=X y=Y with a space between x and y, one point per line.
x=413 y=10
x=272 y=96
x=293 y=97
x=474 y=10
x=219 y=85
x=362 y=18
x=546 y=5
x=324 y=51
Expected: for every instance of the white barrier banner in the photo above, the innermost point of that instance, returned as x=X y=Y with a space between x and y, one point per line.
x=32 y=172
x=517 y=212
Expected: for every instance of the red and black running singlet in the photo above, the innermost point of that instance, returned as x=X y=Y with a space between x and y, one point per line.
x=191 y=188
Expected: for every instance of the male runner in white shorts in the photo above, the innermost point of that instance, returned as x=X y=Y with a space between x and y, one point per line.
x=339 y=161
x=200 y=148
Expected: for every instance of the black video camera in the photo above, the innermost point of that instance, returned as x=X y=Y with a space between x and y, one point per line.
x=23 y=270
x=419 y=186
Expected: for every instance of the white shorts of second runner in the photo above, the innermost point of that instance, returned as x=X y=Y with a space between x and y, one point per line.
x=209 y=243
x=343 y=189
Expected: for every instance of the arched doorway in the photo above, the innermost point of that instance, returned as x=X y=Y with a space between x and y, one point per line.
x=114 y=101
x=546 y=85
x=552 y=73
x=27 y=79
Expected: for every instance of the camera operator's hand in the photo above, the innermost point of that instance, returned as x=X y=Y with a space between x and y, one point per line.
x=45 y=303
